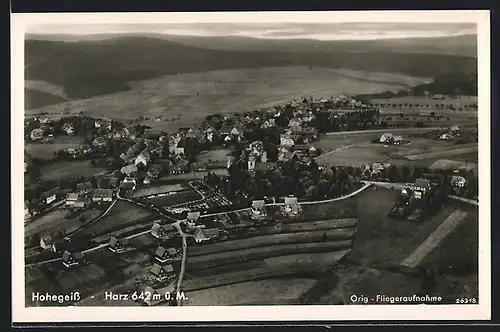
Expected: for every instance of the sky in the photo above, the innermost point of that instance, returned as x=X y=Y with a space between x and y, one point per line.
x=318 y=31
x=334 y=25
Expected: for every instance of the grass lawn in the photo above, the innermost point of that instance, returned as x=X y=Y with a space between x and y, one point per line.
x=69 y=169
x=122 y=214
x=46 y=150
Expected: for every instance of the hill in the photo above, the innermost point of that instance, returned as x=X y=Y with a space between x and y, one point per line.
x=462 y=45
x=96 y=67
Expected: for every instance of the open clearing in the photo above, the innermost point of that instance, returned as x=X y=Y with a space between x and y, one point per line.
x=185 y=99
x=56 y=221
x=346 y=208
x=446 y=153
x=273 y=291
x=69 y=169
x=46 y=150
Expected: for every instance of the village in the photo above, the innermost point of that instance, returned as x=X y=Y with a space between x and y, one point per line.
x=268 y=170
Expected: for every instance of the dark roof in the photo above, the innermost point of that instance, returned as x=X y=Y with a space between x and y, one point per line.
x=160 y=251
x=102 y=193
x=422 y=183
x=51 y=192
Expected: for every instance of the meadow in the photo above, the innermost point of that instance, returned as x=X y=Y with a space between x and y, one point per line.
x=46 y=150
x=172 y=101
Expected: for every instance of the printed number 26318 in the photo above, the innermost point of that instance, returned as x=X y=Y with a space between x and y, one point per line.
x=466 y=300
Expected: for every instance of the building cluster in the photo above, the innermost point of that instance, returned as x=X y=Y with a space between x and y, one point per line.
x=451 y=133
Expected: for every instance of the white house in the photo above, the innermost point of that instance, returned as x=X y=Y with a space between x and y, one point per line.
x=143 y=158
x=386 y=138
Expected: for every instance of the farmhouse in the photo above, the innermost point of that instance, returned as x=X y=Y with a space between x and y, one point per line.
x=421 y=187
x=446 y=136
x=102 y=195
x=258 y=208
x=163 y=231
x=163 y=255
x=36 y=134
x=286 y=141
x=386 y=138
x=143 y=158
x=50 y=196
x=68 y=128
x=99 y=142
x=119 y=245
x=71 y=198
x=128 y=183
x=206 y=234
x=162 y=273
x=291 y=206
x=72 y=259
x=397 y=140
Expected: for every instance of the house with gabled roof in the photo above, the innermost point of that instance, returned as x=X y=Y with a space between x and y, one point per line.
x=165 y=231
x=51 y=195
x=72 y=259
x=259 y=208
x=421 y=187
x=99 y=142
x=164 y=255
x=162 y=273
x=291 y=206
x=119 y=245
x=143 y=158
x=386 y=138
x=102 y=195
x=207 y=234
x=48 y=241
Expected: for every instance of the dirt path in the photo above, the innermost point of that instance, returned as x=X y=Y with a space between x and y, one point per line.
x=434 y=239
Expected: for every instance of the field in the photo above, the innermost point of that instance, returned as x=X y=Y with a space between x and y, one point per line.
x=346 y=208
x=360 y=153
x=184 y=99
x=269 y=240
x=405 y=102
x=122 y=214
x=175 y=198
x=213 y=157
x=56 y=221
x=46 y=150
x=69 y=169
x=238 y=256
x=264 y=292
x=160 y=189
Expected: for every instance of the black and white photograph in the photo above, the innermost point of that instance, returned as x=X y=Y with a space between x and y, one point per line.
x=253 y=161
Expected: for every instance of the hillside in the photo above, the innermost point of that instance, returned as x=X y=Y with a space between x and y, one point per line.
x=463 y=45
x=97 y=67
